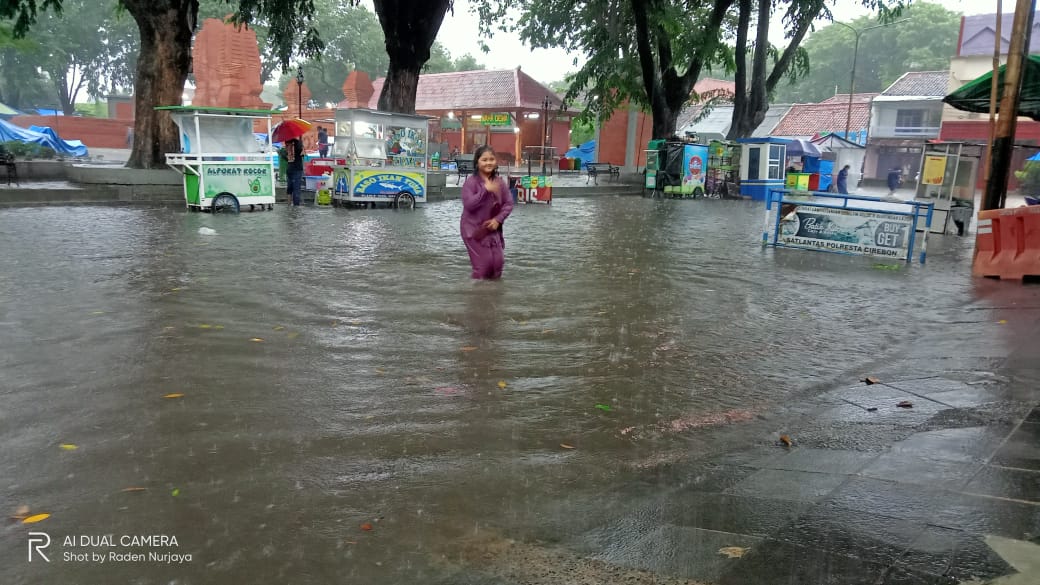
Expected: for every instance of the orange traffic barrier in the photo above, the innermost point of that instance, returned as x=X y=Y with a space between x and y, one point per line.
x=1007 y=245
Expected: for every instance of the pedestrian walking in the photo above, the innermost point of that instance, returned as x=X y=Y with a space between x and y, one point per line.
x=323 y=142
x=486 y=203
x=843 y=180
x=895 y=179
x=294 y=169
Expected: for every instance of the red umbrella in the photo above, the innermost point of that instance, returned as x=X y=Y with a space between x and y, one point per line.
x=289 y=129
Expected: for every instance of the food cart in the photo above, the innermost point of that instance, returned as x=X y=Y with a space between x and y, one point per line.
x=385 y=156
x=225 y=168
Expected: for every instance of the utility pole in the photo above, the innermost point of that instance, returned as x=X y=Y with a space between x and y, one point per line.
x=1004 y=136
x=994 y=91
x=855 y=58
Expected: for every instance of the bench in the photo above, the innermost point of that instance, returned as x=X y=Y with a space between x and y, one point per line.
x=7 y=162
x=594 y=169
x=464 y=167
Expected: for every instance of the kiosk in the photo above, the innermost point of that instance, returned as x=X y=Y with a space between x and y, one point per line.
x=761 y=166
x=224 y=166
x=943 y=177
x=385 y=156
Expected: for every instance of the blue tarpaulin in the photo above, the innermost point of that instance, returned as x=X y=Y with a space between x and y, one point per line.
x=43 y=136
x=586 y=152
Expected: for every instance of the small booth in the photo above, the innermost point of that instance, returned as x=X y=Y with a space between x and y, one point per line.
x=682 y=169
x=224 y=167
x=761 y=166
x=948 y=184
x=385 y=155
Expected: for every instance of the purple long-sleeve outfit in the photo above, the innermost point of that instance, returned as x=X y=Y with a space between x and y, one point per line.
x=479 y=205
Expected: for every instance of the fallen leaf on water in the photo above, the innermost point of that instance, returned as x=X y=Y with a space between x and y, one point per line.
x=69 y=446
x=566 y=446
x=218 y=327
x=351 y=542
x=502 y=384
x=625 y=431
x=36 y=518
x=871 y=380
x=786 y=440
x=886 y=266
x=469 y=348
x=366 y=527
x=175 y=289
x=205 y=326
x=548 y=331
x=176 y=492
x=257 y=340
x=380 y=371
x=355 y=322
x=174 y=395
x=1002 y=321
x=97 y=312
x=872 y=409
x=293 y=335
x=734 y=552
x=134 y=489
x=603 y=407
x=905 y=404
x=278 y=327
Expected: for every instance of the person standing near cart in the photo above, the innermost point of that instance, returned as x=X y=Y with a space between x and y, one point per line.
x=294 y=169
x=486 y=203
x=323 y=142
x=842 y=182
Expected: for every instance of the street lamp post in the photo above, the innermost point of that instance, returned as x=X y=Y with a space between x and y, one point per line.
x=855 y=58
x=546 y=104
x=299 y=92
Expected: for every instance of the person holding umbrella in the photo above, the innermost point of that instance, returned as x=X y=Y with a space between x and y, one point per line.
x=289 y=132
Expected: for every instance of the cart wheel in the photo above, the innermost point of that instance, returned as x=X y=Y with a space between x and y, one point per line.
x=225 y=203
x=698 y=193
x=252 y=208
x=404 y=200
x=270 y=207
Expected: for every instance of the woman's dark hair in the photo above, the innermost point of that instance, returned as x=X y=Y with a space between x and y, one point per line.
x=476 y=158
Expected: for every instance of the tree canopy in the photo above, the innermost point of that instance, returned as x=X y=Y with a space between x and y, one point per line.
x=925 y=42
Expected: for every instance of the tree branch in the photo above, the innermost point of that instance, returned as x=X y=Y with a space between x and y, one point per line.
x=784 y=63
x=646 y=56
x=703 y=53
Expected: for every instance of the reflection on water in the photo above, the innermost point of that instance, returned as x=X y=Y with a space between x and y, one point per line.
x=339 y=368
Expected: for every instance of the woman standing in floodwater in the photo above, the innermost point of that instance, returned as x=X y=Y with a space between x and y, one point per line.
x=486 y=203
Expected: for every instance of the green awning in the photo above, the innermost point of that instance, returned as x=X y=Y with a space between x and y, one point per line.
x=974 y=95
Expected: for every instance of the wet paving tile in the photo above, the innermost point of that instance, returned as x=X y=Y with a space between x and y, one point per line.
x=798 y=486
x=982 y=515
x=906 y=468
x=677 y=550
x=962 y=556
x=961 y=444
x=899 y=575
x=866 y=536
x=887 y=411
x=775 y=561
x=1017 y=484
x=1022 y=449
x=852 y=436
x=714 y=477
x=819 y=460
x=969 y=397
x=887 y=498
x=736 y=514
x=930 y=386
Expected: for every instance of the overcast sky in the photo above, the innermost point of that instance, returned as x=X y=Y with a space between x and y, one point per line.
x=459 y=35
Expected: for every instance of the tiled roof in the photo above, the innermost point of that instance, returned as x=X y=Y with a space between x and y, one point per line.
x=920 y=83
x=715 y=87
x=978 y=33
x=812 y=119
x=843 y=98
x=507 y=89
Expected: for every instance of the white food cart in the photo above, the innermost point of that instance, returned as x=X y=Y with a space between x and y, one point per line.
x=386 y=158
x=225 y=167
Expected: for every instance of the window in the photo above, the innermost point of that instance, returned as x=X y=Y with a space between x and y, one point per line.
x=753 y=163
x=907 y=119
x=776 y=160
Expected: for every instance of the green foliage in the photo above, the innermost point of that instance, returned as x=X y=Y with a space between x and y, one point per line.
x=441 y=61
x=925 y=42
x=582 y=131
x=28 y=151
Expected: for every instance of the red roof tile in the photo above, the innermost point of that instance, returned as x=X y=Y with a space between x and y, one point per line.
x=812 y=119
x=857 y=98
x=508 y=89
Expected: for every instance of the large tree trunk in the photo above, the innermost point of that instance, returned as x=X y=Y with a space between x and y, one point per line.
x=410 y=27
x=739 y=122
x=166 y=27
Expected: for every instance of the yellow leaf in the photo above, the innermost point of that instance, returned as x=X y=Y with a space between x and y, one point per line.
x=380 y=371
x=36 y=518
x=566 y=446
x=502 y=384
x=733 y=552
x=134 y=489
x=68 y=446
x=548 y=330
x=278 y=328
x=174 y=395
x=175 y=289
x=257 y=340
x=205 y=326
x=468 y=348
x=97 y=313
x=1002 y=321
x=218 y=327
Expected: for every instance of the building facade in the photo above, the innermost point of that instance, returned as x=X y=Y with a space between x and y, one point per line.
x=902 y=119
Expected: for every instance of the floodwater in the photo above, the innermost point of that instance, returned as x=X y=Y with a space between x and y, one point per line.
x=348 y=407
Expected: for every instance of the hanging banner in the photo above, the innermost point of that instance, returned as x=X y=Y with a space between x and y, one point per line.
x=496 y=119
x=850 y=231
x=934 y=169
x=536 y=189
